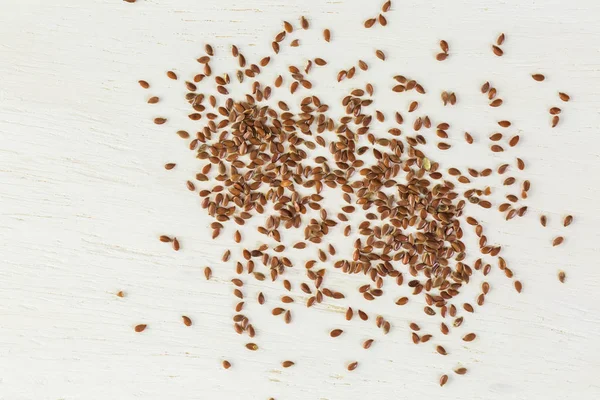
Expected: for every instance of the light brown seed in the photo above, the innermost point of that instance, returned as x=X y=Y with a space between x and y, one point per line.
x=561 y=276
x=207 y=273
x=349 y=314
x=518 y=286
x=568 y=220
x=558 y=241
x=172 y=75
x=538 y=77
x=304 y=23
x=144 y=84
x=252 y=346
x=500 y=39
x=380 y=54
x=402 y=301
x=386 y=6
x=287 y=364
x=140 y=327
x=443 y=380
x=485 y=87
x=352 y=366
x=444 y=46
x=186 y=320
x=370 y=22
x=327 y=35
x=469 y=337
x=120 y=293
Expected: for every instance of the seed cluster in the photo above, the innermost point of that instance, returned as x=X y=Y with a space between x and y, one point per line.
x=403 y=213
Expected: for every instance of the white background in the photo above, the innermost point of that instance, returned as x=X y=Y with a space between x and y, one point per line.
x=83 y=197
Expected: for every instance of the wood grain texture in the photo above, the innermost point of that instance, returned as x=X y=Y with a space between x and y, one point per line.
x=84 y=197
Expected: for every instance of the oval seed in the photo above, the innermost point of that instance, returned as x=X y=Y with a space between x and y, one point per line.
x=140 y=327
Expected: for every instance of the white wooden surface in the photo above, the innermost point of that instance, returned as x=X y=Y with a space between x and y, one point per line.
x=83 y=197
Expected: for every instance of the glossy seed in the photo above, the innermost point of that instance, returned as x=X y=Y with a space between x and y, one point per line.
x=140 y=328
x=469 y=337
x=287 y=364
x=352 y=366
x=226 y=364
x=186 y=320
x=336 y=332
x=558 y=241
x=443 y=380
x=538 y=77
x=518 y=286
x=144 y=84
x=252 y=346
x=460 y=371
x=568 y=220
x=367 y=343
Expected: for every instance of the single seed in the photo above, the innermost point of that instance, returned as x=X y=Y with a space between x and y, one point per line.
x=443 y=380
x=441 y=350
x=558 y=241
x=370 y=22
x=144 y=84
x=327 y=35
x=120 y=293
x=352 y=366
x=538 y=77
x=287 y=364
x=140 y=328
x=497 y=50
x=380 y=54
x=160 y=121
x=561 y=276
x=469 y=337
x=186 y=320
x=207 y=273
x=252 y=346
x=543 y=220
x=518 y=286
x=226 y=364
x=336 y=332
x=367 y=343
x=172 y=75
x=176 y=245
x=460 y=371
x=564 y=96
x=568 y=220
x=500 y=39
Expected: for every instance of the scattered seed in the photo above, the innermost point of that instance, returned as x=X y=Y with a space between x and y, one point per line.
x=568 y=220
x=352 y=366
x=538 y=77
x=443 y=380
x=140 y=328
x=469 y=337
x=287 y=364
x=561 y=276
x=252 y=346
x=558 y=241
x=186 y=320
x=144 y=84
x=226 y=364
